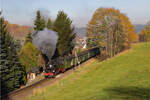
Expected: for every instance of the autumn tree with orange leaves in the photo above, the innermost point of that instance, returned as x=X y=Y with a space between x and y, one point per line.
x=110 y=28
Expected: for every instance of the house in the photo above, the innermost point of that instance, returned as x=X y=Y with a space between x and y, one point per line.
x=80 y=44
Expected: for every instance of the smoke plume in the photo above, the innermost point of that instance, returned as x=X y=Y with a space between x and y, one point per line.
x=46 y=41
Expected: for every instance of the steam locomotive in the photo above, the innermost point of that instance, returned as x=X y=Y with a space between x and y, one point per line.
x=59 y=65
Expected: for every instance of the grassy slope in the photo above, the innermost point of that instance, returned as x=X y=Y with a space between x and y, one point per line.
x=124 y=77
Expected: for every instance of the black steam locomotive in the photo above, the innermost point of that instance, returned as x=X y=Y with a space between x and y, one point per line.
x=59 y=65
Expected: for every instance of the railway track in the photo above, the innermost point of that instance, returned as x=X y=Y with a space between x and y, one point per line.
x=25 y=92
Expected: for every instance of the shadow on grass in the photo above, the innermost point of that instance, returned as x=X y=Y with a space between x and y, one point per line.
x=128 y=93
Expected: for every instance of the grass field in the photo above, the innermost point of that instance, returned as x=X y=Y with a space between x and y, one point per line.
x=124 y=77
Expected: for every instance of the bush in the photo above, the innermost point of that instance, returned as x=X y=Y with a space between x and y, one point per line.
x=29 y=56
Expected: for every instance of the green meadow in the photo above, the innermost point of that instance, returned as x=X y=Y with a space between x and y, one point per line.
x=123 y=77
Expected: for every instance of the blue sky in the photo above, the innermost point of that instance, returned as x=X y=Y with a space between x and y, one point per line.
x=80 y=11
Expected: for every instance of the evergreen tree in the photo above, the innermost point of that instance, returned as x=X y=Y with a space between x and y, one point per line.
x=18 y=45
x=4 y=68
x=28 y=38
x=39 y=23
x=62 y=25
x=49 y=24
x=12 y=73
x=43 y=23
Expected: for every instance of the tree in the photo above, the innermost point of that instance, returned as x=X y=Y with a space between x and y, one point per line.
x=111 y=29
x=145 y=33
x=49 y=24
x=62 y=25
x=29 y=56
x=17 y=45
x=12 y=73
x=43 y=23
x=39 y=23
x=28 y=38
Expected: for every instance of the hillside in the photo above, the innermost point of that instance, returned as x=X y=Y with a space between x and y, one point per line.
x=138 y=27
x=81 y=31
x=124 y=77
x=18 y=31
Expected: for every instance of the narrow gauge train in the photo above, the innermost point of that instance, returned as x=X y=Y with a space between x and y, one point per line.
x=59 y=65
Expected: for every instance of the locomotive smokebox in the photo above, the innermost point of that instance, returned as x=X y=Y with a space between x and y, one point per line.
x=45 y=41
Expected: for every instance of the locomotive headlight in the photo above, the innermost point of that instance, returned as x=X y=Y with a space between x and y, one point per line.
x=50 y=66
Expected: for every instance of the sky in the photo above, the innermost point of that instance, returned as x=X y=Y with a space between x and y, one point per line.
x=23 y=12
